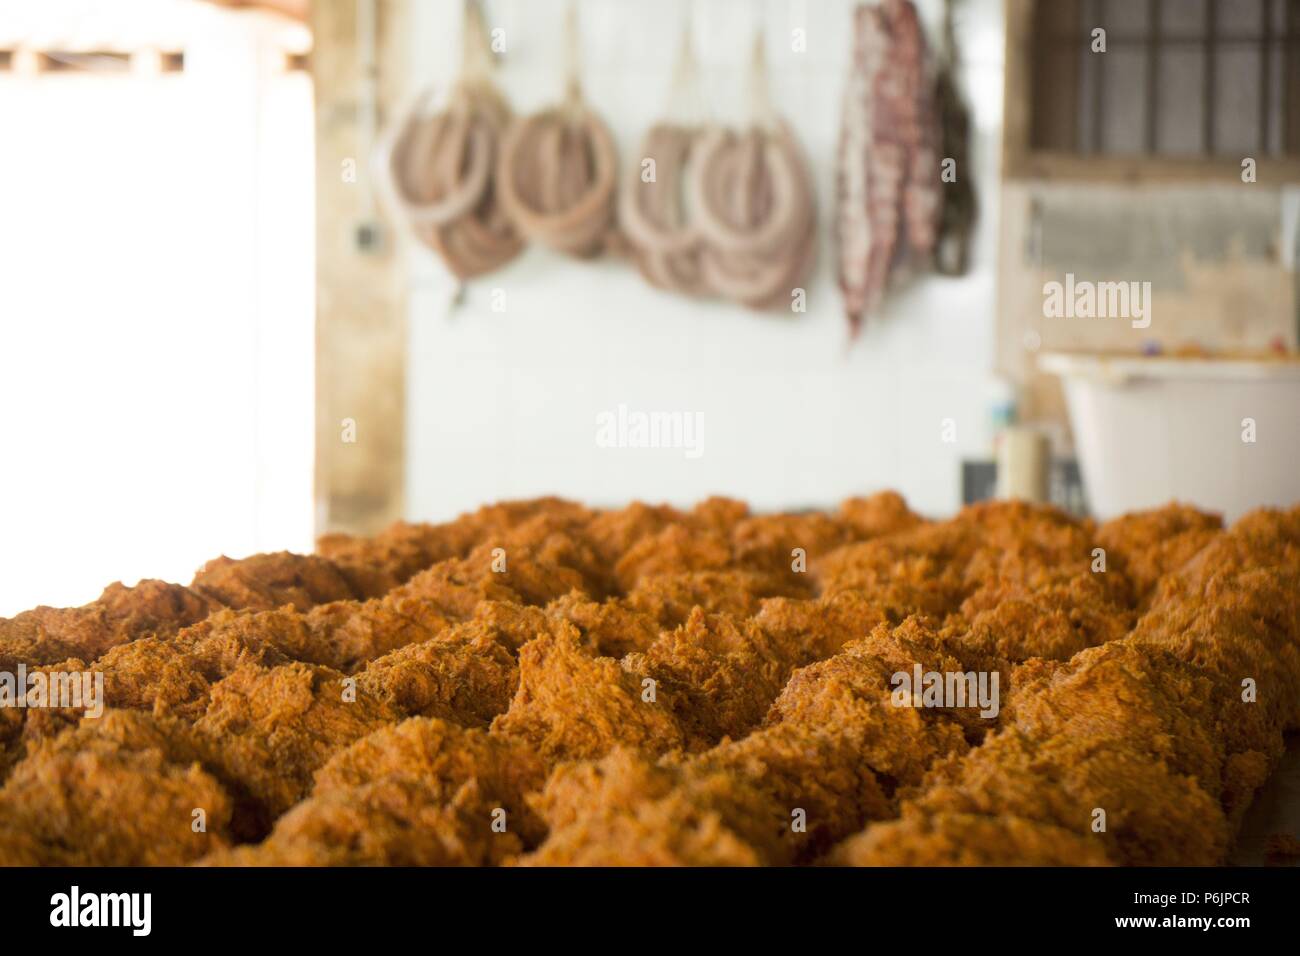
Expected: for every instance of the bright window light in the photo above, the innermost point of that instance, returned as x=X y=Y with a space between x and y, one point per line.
x=156 y=295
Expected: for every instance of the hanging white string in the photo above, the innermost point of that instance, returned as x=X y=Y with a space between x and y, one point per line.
x=476 y=58
x=572 y=58
x=685 y=102
x=762 y=114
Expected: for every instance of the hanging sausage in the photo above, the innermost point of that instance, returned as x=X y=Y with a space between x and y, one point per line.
x=752 y=199
x=654 y=213
x=441 y=166
x=666 y=246
x=887 y=177
x=557 y=171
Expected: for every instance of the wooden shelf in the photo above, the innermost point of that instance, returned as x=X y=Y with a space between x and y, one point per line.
x=1021 y=165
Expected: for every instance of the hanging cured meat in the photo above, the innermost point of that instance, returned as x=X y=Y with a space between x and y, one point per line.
x=729 y=212
x=887 y=178
x=558 y=172
x=752 y=201
x=754 y=206
x=653 y=213
x=960 y=208
x=442 y=167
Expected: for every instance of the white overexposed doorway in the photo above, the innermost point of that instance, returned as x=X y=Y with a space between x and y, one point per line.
x=156 y=292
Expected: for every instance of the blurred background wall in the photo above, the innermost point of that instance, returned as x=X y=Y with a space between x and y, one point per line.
x=504 y=404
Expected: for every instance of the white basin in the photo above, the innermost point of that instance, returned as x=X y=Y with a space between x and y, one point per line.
x=1153 y=430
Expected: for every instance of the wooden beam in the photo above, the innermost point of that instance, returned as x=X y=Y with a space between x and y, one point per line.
x=297 y=9
x=361 y=289
x=1069 y=167
x=1017 y=109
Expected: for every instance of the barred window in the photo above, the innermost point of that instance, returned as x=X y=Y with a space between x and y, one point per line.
x=1177 y=78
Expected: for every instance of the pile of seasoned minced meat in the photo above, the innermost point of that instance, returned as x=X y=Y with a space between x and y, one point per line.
x=539 y=683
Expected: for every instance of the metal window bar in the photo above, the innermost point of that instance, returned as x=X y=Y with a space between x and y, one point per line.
x=1208 y=91
x=1153 y=73
x=1157 y=45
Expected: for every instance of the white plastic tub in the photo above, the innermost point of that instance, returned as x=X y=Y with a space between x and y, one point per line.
x=1152 y=430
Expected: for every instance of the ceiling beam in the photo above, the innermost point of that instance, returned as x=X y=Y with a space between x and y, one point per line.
x=297 y=9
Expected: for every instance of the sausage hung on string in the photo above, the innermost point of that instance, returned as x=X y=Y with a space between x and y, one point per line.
x=654 y=211
x=558 y=171
x=887 y=175
x=441 y=167
x=751 y=195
